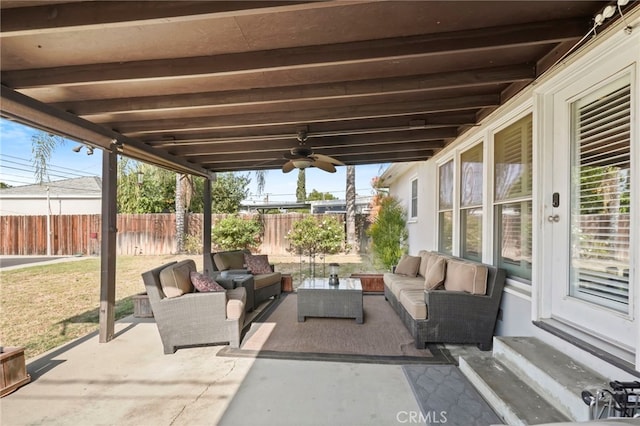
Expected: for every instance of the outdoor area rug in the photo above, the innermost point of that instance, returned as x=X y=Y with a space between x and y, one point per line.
x=383 y=338
x=446 y=396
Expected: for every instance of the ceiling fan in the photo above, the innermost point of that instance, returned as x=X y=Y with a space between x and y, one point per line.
x=302 y=157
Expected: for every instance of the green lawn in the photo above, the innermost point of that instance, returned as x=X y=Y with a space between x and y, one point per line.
x=42 y=307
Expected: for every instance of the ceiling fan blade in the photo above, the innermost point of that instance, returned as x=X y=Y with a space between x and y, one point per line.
x=323 y=165
x=288 y=166
x=327 y=159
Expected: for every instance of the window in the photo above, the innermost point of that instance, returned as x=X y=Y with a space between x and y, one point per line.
x=445 y=208
x=414 y=199
x=471 y=203
x=513 y=198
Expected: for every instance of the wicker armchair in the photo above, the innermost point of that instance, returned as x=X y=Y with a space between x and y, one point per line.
x=195 y=318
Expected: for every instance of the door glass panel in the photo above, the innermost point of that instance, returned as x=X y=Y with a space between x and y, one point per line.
x=600 y=196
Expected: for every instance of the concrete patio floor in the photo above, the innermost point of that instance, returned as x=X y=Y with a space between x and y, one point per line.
x=129 y=381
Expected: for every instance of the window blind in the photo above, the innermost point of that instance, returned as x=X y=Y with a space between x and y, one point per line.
x=601 y=178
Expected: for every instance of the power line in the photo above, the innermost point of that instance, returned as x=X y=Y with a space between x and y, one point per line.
x=60 y=169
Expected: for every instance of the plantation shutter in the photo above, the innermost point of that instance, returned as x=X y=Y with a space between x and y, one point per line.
x=601 y=181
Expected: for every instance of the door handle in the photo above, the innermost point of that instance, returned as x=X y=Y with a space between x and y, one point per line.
x=554 y=218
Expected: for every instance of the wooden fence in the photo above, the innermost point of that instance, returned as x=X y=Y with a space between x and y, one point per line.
x=138 y=234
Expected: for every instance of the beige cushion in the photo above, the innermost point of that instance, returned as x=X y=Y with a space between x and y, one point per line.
x=466 y=276
x=235 y=309
x=436 y=275
x=424 y=258
x=229 y=260
x=413 y=302
x=407 y=284
x=238 y=293
x=175 y=279
x=389 y=279
x=264 y=280
x=408 y=266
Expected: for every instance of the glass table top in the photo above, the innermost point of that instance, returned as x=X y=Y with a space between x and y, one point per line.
x=323 y=283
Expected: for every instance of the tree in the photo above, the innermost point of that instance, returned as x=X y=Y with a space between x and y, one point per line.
x=389 y=233
x=301 y=189
x=42 y=147
x=352 y=238
x=312 y=236
x=228 y=191
x=154 y=194
x=316 y=195
x=4 y=185
x=260 y=180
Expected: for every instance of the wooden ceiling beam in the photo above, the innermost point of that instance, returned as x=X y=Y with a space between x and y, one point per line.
x=320 y=129
x=256 y=160
x=301 y=57
x=275 y=163
x=48 y=19
x=371 y=142
x=309 y=92
x=307 y=116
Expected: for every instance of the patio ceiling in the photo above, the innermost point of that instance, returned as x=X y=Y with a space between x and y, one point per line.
x=220 y=86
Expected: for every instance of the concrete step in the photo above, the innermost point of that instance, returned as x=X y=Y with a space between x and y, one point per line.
x=510 y=397
x=552 y=374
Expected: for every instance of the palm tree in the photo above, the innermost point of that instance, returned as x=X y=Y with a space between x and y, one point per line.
x=184 y=192
x=301 y=189
x=42 y=147
x=352 y=239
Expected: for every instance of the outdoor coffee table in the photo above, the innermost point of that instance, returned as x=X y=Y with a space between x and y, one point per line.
x=316 y=298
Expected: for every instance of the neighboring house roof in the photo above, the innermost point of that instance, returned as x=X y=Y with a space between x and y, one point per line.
x=88 y=186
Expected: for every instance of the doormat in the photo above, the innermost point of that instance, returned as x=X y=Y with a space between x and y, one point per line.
x=445 y=396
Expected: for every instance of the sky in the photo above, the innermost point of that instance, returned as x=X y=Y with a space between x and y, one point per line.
x=16 y=168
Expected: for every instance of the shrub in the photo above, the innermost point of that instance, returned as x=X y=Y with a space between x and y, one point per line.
x=234 y=233
x=388 y=233
x=311 y=236
x=192 y=244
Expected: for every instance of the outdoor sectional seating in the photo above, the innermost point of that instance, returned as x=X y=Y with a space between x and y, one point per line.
x=445 y=299
x=185 y=317
x=266 y=282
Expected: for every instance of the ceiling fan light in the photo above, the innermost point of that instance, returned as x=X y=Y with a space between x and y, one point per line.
x=301 y=163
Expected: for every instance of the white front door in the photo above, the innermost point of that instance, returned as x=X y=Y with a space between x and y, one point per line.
x=588 y=211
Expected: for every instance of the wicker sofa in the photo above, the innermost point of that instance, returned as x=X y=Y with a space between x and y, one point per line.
x=187 y=318
x=447 y=299
x=265 y=284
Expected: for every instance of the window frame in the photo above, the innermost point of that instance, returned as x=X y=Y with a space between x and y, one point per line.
x=521 y=198
x=413 y=202
x=448 y=209
x=478 y=205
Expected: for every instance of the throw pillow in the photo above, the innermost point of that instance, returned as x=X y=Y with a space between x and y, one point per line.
x=174 y=279
x=258 y=263
x=436 y=275
x=204 y=283
x=408 y=265
x=466 y=276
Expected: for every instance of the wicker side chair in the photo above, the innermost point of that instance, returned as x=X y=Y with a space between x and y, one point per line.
x=195 y=318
